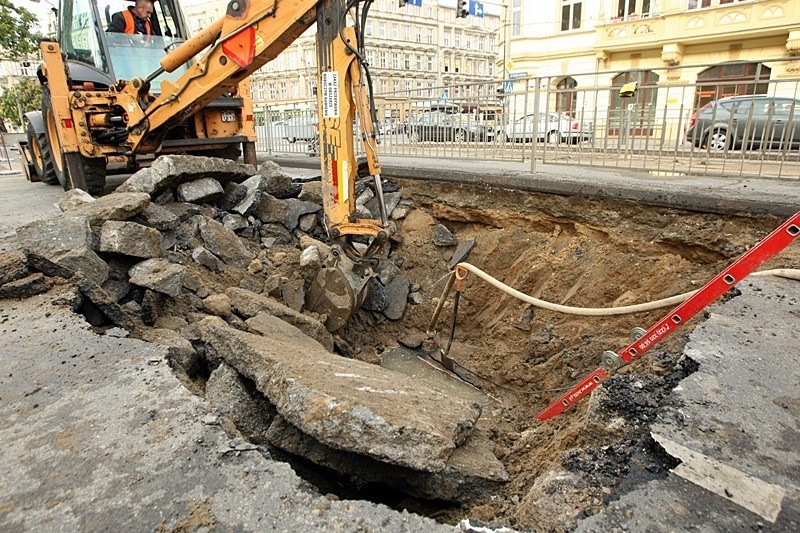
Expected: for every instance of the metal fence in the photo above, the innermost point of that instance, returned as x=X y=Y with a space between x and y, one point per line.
x=595 y=119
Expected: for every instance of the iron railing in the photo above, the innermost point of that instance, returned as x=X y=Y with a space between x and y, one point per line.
x=588 y=124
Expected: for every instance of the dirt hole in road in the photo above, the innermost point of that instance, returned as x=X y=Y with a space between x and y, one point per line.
x=572 y=251
x=568 y=250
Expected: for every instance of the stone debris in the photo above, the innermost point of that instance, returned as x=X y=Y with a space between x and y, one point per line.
x=66 y=241
x=200 y=191
x=74 y=198
x=117 y=206
x=443 y=236
x=348 y=404
x=215 y=267
x=131 y=239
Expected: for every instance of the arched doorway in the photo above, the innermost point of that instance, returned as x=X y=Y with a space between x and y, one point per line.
x=731 y=79
x=637 y=113
x=566 y=96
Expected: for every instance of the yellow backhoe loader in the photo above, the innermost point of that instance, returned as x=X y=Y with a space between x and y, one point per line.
x=110 y=96
x=96 y=80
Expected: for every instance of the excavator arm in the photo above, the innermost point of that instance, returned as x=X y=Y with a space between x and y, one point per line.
x=251 y=33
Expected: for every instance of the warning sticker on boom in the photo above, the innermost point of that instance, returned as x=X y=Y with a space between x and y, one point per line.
x=330 y=95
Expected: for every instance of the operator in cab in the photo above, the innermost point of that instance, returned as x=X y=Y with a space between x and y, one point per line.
x=136 y=20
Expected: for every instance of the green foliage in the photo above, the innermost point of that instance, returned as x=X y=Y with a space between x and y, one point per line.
x=25 y=95
x=18 y=34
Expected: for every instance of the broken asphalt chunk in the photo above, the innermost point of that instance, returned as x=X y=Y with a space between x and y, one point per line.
x=348 y=404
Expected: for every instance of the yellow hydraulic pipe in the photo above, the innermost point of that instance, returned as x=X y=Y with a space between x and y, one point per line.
x=192 y=47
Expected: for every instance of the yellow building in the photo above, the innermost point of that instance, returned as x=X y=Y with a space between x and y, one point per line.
x=682 y=53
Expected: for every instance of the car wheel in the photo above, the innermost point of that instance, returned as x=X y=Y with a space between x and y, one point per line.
x=717 y=140
x=413 y=136
x=459 y=136
x=291 y=140
x=553 y=137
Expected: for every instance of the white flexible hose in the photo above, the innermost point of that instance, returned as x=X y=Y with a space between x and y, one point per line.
x=607 y=311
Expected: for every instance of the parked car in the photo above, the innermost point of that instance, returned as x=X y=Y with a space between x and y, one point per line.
x=300 y=128
x=440 y=126
x=749 y=122
x=552 y=128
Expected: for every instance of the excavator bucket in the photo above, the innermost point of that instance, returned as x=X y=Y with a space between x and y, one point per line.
x=339 y=289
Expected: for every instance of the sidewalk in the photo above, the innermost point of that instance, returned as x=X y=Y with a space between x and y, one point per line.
x=779 y=197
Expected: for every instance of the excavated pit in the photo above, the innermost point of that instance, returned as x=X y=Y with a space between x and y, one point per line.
x=573 y=251
x=569 y=250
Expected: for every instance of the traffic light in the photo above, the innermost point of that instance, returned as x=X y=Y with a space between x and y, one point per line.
x=462 y=9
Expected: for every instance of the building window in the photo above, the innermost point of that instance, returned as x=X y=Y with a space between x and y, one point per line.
x=480 y=44
x=419 y=35
x=407 y=32
x=419 y=62
x=446 y=39
x=395 y=31
x=698 y=4
x=368 y=29
x=430 y=35
x=406 y=62
x=516 y=18
x=632 y=9
x=382 y=30
x=566 y=96
x=468 y=42
x=272 y=93
x=283 y=90
x=731 y=79
x=457 y=40
x=430 y=63
x=570 y=15
x=383 y=60
x=395 y=60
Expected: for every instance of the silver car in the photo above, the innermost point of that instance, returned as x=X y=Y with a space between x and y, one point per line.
x=746 y=122
x=552 y=128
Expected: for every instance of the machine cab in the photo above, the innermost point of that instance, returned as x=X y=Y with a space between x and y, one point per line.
x=100 y=56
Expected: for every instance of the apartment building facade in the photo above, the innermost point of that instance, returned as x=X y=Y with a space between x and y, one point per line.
x=414 y=52
x=718 y=47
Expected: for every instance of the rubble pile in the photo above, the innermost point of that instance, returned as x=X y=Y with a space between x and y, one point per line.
x=212 y=259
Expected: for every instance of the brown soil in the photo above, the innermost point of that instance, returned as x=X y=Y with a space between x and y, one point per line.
x=568 y=250
x=574 y=251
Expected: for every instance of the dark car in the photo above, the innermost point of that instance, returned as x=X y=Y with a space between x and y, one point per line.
x=747 y=122
x=439 y=126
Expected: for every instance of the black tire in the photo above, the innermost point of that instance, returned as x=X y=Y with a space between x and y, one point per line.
x=94 y=172
x=554 y=137
x=40 y=155
x=53 y=157
x=413 y=136
x=717 y=140
x=459 y=136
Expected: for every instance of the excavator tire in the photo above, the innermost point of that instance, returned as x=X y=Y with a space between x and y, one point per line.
x=94 y=168
x=52 y=155
x=41 y=158
x=94 y=171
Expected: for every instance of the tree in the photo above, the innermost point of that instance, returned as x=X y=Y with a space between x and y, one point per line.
x=25 y=95
x=18 y=35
